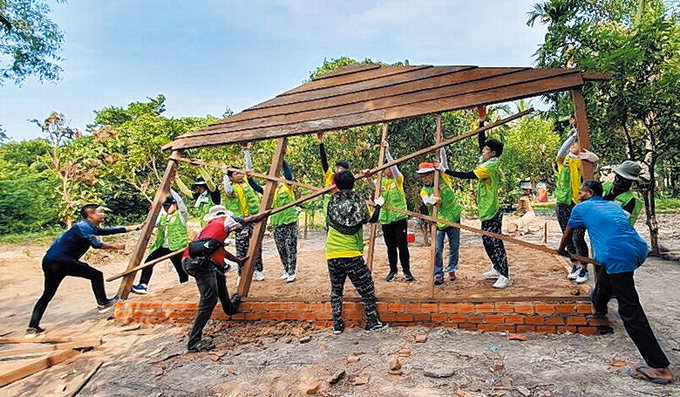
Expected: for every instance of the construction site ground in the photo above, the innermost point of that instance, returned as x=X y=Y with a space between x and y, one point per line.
x=286 y=358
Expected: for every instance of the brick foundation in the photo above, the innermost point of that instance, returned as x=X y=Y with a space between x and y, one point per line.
x=548 y=315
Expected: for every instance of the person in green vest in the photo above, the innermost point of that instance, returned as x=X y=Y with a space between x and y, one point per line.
x=205 y=194
x=449 y=210
x=394 y=224
x=346 y=215
x=171 y=235
x=243 y=200
x=621 y=191
x=569 y=178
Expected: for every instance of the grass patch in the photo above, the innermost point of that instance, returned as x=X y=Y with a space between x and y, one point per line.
x=667 y=205
x=42 y=237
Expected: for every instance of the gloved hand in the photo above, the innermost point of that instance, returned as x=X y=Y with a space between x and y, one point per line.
x=379 y=201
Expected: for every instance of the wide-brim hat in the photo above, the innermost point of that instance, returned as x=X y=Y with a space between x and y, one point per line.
x=630 y=170
x=589 y=157
x=217 y=211
x=200 y=182
x=425 y=168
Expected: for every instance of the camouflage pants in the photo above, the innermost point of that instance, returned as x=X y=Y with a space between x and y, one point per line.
x=495 y=249
x=286 y=237
x=242 y=244
x=339 y=270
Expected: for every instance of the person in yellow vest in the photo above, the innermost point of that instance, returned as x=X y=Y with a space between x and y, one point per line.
x=449 y=210
x=243 y=200
x=569 y=179
x=328 y=173
x=284 y=226
x=346 y=215
x=205 y=194
x=621 y=191
x=171 y=235
x=394 y=224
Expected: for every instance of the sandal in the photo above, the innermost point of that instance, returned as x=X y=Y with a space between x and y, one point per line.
x=638 y=373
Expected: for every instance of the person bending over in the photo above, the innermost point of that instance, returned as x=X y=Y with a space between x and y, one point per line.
x=621 y=190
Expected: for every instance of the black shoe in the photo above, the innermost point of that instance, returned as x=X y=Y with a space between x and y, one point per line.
x=408 y=277
x=438 y=280
x=33 y=331
x=108 y=305
x=338 y=328
x=201 y=346
x=379 y=326
x=391 y=277
x=236 y=300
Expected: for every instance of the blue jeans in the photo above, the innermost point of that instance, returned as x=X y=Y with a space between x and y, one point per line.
x=454 y=244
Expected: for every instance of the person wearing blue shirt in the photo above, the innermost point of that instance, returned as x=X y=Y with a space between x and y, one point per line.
x=63 y=259
x=620 y=250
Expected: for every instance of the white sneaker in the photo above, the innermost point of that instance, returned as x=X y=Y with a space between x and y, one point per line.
x=502 y=282
x=290 y=278
x=582 y=276
x=493 y=273
x=284 y=275
x=258 y=276
x=574 y=273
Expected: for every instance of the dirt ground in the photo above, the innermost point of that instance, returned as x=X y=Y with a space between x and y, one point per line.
x=290 y=359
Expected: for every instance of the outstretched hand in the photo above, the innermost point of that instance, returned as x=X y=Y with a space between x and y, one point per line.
x=320 y=136
x=481 y=112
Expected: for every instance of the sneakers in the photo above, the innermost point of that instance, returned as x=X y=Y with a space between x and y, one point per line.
x=338 y=328
x=201 y=346
x=438 y=279
x=141 y=289
x=33 y=331
x=452 y=276
x=379 y=326
x=291 y=277
x=108 y=305
x=574 y=272
x=391 y=277
x=408 y=277
x=258 y=275
x=582 y=276
x=502 y=282
x=493 y=273
x=284 y=275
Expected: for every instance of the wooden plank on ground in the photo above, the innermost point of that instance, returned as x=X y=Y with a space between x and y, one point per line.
x=46 y=339
x=36 y=366
x=43 y=348
x=86 y=379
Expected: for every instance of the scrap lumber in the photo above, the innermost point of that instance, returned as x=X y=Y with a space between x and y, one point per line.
x=147 y=264
x=86 y=379
x=36 y=366
x=43 y=348
x=47 y=339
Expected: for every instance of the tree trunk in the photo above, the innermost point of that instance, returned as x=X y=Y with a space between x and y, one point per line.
x=650 y=192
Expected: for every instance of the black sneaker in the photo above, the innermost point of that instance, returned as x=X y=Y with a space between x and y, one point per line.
x=108 y=305
x=201 y=346
x=438 y=279
x=408 y=277
x=338 y=328
x=379 y=326
x=391 y=277
x=33 y=331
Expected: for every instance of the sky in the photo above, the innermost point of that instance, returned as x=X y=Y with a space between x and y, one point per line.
x=207 y=56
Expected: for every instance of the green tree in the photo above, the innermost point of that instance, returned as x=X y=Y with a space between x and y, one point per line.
x=29 y=41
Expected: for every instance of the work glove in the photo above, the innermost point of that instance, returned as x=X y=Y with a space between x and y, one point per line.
x=379 y=201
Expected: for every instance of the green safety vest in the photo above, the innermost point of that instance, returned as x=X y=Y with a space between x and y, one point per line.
x=394 y=195
x=176 y=231
x=244 y=201
x=568 y=181
x=282 y=196
x=340 y=245
x=624 y=198
x=203 y=203
x=488 y=181
x=448 y=208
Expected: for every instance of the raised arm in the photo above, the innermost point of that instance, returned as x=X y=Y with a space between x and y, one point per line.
x=481 y=117
x=181 y=207
x=287 y=172
x=207 y=178
x=256 y=186
x=226 y=182
x=322 y=152
x=564 y=149
x=389 y=159
x=183 y=188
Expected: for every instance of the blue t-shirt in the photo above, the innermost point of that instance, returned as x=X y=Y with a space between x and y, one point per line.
x=616 y=244
x=75 y=242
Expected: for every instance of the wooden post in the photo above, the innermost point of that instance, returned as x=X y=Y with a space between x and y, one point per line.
x=582 y=129
x=140 y=248
x=374 y=226
x=433 y=233
x=255 y=245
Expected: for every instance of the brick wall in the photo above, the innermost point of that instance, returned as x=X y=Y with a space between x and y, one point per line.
x=540 y=316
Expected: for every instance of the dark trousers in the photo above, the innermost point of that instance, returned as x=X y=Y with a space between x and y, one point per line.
x=622 y=286
x=176 y=262
x=212 y=285
x=242 y=244
x=55 y=272
x=495 y=249
x=577 y=245
x=339 y=270
x=395 y=235
x=286 y=239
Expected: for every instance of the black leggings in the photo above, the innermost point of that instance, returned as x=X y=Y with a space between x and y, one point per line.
x=176 y=262
x=395 y=235
x=495 y=249
x=55 y=272
x=577 y=245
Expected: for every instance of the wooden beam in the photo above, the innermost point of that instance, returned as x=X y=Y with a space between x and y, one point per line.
x=255 y=245
x=597 y=76
x=143 y=265
x=46 y=339
x=374 y=226
x=43 y=348
x=582 y=129
x=36 y=366
x=435 y=208
x=140 y=248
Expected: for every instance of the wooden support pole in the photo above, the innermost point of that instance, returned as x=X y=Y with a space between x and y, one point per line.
x=147 y=264
x=435 y=208
x=582 y=129
x=140 y=248
x=255 y=245
x=376 y=194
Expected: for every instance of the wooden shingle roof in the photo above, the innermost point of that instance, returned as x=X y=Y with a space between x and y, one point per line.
x=368 y=94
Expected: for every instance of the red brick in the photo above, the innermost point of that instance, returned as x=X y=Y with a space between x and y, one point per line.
x=422 y=317
x=294 y=316
x=475 y=318
x=468 y=326
x=568 y=328
x=253 y=316
x=301 y=307
x=526 y=328
x=484 y=307
x=388 y=316
x=448 y=308
x=395 y=307
x=439 y=317
x=514 y=319
x=565 y=308
x=273 y=316
x=429 y=307
x=599 y=322
x=504 y=307
x=544 y=308
x=524 y=308
x=381 y=306
x=353 y=315
x=545 y=329
x=486 y=327
x=575 y=320
x=505 y=327
x=465 y=307
x=457 y=318
x=588 y=330
x=285 y=306
x=311 y=316
x=534 y=320
x=494 y=318
x=584 y=307
x=238 y=316
x=412 y=308
x=554 y=320
x=404 y=317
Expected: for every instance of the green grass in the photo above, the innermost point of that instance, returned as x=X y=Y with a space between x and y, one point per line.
x=43 y=237
x=667 y=205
